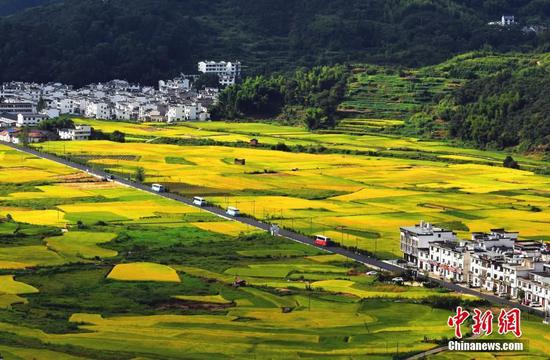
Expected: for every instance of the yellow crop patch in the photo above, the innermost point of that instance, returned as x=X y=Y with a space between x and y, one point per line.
x=37 y=217
x=11 y=287
x=232 y=228
x=213 y=299
x=143 y=272
x=82 y=244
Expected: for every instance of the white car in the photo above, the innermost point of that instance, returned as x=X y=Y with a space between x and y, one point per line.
x=397 y=280
x=371 y=273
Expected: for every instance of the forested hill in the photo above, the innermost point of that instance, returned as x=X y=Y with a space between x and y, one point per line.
x=8 y=7
x=510 y=108
x=80 y=41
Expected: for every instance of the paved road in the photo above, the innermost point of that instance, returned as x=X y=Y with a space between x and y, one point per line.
x=285 y=233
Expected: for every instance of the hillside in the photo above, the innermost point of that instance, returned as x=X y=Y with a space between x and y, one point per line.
x=485 y=99
x=82 y=41
x=509 y=108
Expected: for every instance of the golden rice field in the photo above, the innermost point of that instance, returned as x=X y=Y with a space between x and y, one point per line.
x=118 y=273
x=211 y=299
x=143 y=272
x=271 y=134
x=232 y=228
x=358 y=200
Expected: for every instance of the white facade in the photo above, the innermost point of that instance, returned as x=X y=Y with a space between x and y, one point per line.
x=449 y=260
x=51 y=113
x=80 y=132
x=175 y=113
x=178 y=84
x=98 y=110
x=228 y=72
x=30 y=120
x=418 y=237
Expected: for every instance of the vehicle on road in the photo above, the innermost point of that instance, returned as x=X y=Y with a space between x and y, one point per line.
x=158 y=188
x=233 y=211
x=398 y=280
x=322 y=240
x=199 y=201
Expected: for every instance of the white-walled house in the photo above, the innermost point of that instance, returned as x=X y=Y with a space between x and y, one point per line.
x=418 y=237
x=51 y=113
x=228 y=72
x=98 y=110
x=175 y=113
x=80 y=132
x=30 y=119
x=191 y=111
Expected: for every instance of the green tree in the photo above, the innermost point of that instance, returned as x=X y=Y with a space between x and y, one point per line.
x=509 y=162
x=41 y=104
x=314 y=118
x=118 y=136
x=208 y=80
x=140 y=174
x=23 y=136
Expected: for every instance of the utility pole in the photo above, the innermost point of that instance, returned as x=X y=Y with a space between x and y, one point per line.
x=397 y=348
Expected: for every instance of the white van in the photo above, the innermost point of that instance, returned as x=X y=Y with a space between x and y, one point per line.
x=199 y=201
x=158 y=188
x=232 y=211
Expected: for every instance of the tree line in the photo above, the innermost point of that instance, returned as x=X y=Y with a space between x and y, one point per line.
x=310 y=96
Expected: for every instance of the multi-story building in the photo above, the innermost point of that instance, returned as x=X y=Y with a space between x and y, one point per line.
x=418 y=238
x=98 y=110
x=17 y=107
x=228 y=72
x=30 y=119
x=449 y=260
x=80 y=132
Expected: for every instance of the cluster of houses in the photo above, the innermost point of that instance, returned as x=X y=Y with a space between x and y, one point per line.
x=26 y=105
x=494 y=261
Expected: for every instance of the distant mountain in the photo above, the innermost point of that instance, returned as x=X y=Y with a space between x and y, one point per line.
x=80 y=41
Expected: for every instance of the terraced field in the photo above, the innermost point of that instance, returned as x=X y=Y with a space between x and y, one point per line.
x=357 y=200
x=379 y=98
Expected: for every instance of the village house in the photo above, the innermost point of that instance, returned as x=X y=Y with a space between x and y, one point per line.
x=17 y=107
x=228 y=72
x=80 y=132
x=417 y=238
x=30 y=119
